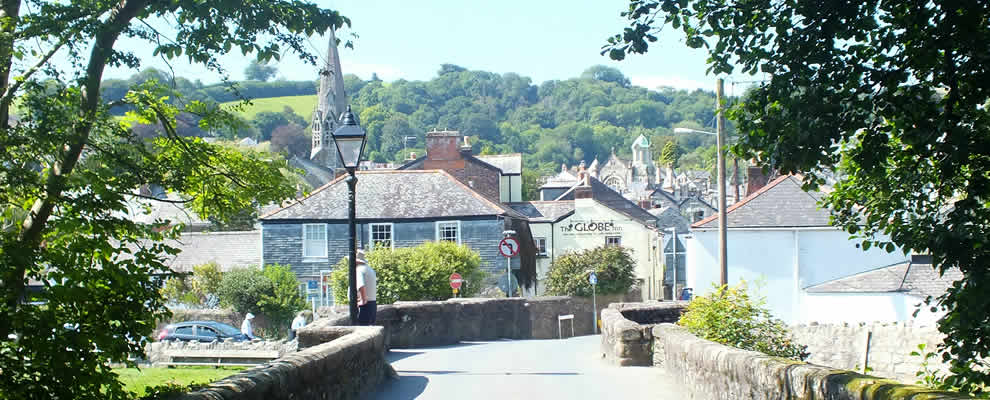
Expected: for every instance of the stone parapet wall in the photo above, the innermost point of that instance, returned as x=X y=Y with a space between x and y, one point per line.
x=714 y=371
x=158 y=352
x=627 y=336
x=437 y=323
x=844 y=346
x=350 y=364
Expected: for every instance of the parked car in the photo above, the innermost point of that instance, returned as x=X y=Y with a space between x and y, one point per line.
x=203 y=331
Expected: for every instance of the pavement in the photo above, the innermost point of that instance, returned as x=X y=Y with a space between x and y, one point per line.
x=521 y=369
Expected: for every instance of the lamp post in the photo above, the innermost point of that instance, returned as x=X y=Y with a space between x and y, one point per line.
x=349 y=138
x=720 y=143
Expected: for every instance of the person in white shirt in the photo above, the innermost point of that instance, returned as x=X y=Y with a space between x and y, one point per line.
x=246 y=327
x=298 y=322
x=367 y=287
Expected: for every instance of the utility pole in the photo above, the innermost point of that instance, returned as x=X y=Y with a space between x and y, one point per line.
x=720 y=142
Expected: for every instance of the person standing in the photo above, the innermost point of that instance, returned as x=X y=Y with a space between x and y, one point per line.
x=367 y=287
x=246 y=327
x=298 y=322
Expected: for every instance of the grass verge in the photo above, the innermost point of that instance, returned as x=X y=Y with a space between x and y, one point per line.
x=136 y=380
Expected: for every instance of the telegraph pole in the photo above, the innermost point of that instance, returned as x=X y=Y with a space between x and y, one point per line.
x=720 y=142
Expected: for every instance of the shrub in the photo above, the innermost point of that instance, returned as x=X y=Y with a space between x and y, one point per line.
x=614 y=266
x=280 y=305
x=731 y=317
x=198 y=290
x=416 y=273
x=243 y=289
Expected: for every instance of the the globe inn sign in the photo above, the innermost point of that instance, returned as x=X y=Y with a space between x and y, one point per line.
x=590 y=227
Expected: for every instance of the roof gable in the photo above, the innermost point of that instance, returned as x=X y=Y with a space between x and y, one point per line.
x=385 y=194
x=781 y=203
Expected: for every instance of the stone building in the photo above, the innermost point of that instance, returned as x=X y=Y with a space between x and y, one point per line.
x=397 y=208
x=628 y=176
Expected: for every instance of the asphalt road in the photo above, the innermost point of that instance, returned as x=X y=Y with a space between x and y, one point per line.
x=522 y=369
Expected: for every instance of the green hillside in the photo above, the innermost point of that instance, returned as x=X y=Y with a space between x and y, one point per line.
x=300 y=105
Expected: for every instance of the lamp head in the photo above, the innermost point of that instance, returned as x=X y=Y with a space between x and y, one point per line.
x=350 y=139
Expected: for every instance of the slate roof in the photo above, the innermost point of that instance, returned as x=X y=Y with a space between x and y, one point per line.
x=228 y=249
x=780 y=204
x=510 y=164
x=544 y=211
x=668 y=217
x=612 y=199
x=393 y=194
x=316 y=175
x=917 y=279
x=165 y=210
x=564 y=179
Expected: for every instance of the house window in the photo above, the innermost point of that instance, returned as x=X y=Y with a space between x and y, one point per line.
x=381 y=235
x=613 y=240
x=449 y=231
x=314 y=240
x=541 y=246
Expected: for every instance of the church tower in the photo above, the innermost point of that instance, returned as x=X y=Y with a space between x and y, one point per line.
x=332 y=101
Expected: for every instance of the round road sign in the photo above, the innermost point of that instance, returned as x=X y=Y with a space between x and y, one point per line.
x=509 y=247
x=455 y=281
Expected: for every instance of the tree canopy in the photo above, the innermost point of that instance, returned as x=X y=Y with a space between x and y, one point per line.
x=885 y=100
x=71 y=170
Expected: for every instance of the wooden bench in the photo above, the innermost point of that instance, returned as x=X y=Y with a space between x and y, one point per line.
x=219 y=357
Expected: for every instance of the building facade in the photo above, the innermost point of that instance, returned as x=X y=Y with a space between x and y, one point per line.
x=588 y=215
x=780 y=242
x=394 y=209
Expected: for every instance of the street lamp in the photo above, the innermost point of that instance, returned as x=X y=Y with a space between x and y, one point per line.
x=349 y=138
x=720 y=143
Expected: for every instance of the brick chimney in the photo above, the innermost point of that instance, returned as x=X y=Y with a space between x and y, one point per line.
x=443 y=145
x=755 y=179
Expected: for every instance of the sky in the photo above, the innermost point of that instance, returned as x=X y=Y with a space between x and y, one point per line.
x=540 y=39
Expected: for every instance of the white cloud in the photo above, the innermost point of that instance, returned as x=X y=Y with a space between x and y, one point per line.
x=676 y=82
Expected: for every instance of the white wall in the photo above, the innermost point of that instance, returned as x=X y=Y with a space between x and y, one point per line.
x=641 y=240
x=781 y=262
x=865 y=307
x=515 y=184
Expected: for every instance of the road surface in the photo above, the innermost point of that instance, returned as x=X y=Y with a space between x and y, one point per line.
x=521 y=369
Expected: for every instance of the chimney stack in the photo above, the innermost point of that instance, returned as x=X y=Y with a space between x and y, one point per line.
x=755 y=179
x=466 y=148
x=443 y=146
x=583 y=190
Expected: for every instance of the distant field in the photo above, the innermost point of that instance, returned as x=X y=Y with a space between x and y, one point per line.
x=301 y=105
x=136 y=381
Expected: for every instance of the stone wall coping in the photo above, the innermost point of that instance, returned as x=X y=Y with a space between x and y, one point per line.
x=303 y=370
x=758 y=375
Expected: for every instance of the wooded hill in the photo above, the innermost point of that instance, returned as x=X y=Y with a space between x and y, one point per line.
x=550 y=123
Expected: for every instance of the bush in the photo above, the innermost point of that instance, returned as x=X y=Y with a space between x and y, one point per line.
x=731 y=317
x=281 y=304
x=614 y=266
x=416 y=273
x=198 y=290
x=243 y=289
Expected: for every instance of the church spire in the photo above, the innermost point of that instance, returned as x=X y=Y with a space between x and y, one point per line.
x=331 y=103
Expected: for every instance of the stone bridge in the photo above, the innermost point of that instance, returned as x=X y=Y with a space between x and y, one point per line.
x=509 y=348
